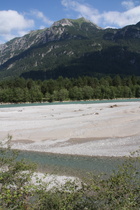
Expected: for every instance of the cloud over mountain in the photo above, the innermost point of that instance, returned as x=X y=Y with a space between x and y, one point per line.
x=131 y=15
x=13 y=23
x=19 y=21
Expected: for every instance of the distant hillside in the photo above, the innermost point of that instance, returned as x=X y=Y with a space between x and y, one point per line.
x=72 y=48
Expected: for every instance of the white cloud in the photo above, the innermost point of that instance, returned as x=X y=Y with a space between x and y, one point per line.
x=119 y=19
x=13 y=24
x=112 y=18
x=40 y=15
x=84 y=10
x=128 y=4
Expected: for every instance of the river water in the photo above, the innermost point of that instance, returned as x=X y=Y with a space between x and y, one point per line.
x=69 y=102
x=72 y=165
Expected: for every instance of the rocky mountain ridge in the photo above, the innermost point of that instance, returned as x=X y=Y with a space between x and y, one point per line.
x=54 y=33
x=66 y=43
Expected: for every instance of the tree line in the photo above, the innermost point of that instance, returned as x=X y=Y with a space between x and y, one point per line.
x=19 y=90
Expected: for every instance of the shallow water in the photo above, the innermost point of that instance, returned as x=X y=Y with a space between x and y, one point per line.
x=72 y=164
x=69 y=102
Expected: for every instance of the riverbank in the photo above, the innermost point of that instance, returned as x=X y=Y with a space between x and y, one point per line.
x=105 y=129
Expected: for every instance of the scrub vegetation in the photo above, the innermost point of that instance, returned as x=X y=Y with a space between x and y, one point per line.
x=117 y=191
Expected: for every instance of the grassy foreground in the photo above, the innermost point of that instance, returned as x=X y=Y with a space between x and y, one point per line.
x=118 y=191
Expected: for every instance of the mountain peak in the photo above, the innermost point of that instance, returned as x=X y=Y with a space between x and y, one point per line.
x=63 y=22
x=71 y=22
x=80 y=20
x=84 y=20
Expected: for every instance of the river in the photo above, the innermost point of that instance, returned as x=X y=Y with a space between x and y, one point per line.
x=71 y=164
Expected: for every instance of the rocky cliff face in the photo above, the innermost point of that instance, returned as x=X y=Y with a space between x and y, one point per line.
x=18 y=45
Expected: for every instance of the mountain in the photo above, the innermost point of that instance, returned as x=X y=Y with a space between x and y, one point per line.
x=72 y=48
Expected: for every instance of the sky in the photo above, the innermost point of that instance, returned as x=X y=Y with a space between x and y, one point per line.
x=18 y=18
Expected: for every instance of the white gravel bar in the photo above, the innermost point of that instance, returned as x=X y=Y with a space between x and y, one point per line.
x=100 y=129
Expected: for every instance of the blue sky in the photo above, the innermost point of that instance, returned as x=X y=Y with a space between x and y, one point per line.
x=19 y=17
